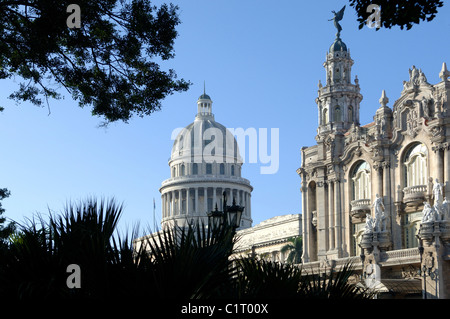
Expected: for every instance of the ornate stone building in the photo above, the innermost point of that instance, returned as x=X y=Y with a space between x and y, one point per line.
x=365 y=187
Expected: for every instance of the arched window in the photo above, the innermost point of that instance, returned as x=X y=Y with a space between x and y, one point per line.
x=194 y=169
x=174 y=172
x=337 y=114
x=415 y=165
x=350 y=113
x=183 y=170
x=361 y=181
x=325 y=116
x=222 y=168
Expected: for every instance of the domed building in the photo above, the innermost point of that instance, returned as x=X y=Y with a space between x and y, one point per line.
x=205 y=162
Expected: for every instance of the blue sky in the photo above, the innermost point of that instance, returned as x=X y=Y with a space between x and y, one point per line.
x=261 y=61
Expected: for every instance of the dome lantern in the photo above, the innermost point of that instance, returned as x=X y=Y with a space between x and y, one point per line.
x=204 y=105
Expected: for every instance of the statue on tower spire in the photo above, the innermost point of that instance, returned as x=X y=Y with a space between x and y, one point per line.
x=338 y=17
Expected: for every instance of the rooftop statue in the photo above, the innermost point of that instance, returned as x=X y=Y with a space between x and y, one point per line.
x=338 y=17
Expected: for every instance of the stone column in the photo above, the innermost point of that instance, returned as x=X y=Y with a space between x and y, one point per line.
x=238 y=200
x=249 y=204
x=196 y=202
x=188 y=198
x=172 y=206
x=440 y=164
x=163 y=206
x=331 y=210
x=447 y=172
x=440 y=151
x=389 y=212
x=205 y=199
x=338 y=216
x=166 y=204
x=214 y=198
x=306 y=222
x=322 y=227
x=180 y=197
x=244 y=203
x=379 y=170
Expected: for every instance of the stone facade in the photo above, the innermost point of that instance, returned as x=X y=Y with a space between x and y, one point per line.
x=365 y=187
x=267 y=239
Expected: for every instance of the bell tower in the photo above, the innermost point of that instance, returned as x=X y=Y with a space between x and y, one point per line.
x=338 y=101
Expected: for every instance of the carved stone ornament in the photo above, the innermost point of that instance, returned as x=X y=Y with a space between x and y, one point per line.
x=429 y=262
x=436 y=131
x=444 y=74
x=412 y=123
x=416 y=79
x=314 y=218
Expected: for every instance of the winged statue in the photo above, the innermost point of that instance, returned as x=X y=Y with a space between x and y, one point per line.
x=338 y=17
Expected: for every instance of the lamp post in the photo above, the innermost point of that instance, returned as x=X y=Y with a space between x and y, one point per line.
x=422 y=270
x=363 y=258
x=229 y=216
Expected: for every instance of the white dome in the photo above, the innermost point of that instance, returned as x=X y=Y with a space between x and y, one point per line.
x=206 y=140
x=204 y=163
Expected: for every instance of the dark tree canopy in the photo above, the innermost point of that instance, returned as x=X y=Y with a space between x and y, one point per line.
x=403 y=13
x=108 y=63
x=5 y=229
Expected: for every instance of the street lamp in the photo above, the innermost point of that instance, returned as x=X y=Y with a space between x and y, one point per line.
x=230 y=215
x=363 y=258
x=422 y=270
x=215 y=218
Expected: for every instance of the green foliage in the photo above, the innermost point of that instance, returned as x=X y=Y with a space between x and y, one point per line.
x=108 y=63
x=262 y=279
x=193 y=262
x=333 y=284
x=5 y=229
x=404 y=13
x=294 y=247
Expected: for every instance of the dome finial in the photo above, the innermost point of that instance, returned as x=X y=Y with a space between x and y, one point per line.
x=204 y=96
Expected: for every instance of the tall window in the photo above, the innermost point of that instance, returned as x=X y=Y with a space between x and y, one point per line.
x=183 y=170
x=232 y=170
x=411 y=226
x=195 y=169
x=325 y=116
x=208 y=169
x=416 y=165
x=337 y=114
x=361 y=181
x=222 y=168
x=415 y=174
